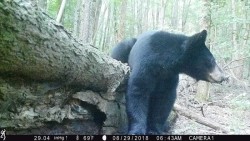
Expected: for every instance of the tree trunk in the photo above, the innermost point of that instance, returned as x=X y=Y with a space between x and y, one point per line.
x=97 y=6
x=175 y=14
x=238 y=65
x=77 y=18
x=185 y=10
x=122 y=24
x=88 y=15
x=39 y=3
x=203 y=87
x=42 y=4
x=48 y=80
x=61 y=10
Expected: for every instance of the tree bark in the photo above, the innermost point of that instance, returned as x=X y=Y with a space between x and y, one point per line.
x=61 y=10
x=77 y=18
x=122 y=24
x=203 y=87
x=48 y=76
x=42 y=4
x=88 y=19
x=238 y=71
x=175 y=14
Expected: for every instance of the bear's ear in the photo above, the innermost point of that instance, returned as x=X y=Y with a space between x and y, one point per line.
x=199 y=37
x=203 y=35
x=196 y=40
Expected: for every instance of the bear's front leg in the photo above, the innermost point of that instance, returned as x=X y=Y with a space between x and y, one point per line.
x=161 y=104
x=137 y=101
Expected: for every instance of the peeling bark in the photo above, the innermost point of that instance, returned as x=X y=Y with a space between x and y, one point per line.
x=35 y=46
x=48 y=80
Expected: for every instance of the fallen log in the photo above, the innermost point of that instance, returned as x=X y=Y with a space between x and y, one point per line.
x=199 y=119
x=49 y=80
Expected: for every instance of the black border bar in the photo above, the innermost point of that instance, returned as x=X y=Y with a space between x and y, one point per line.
x=126 y=137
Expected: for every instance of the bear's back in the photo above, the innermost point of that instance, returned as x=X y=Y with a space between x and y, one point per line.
x=156 y=45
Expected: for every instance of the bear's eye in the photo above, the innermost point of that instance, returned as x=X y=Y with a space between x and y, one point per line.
x=210 y=62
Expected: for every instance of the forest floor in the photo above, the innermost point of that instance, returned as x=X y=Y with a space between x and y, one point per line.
x=228 y=106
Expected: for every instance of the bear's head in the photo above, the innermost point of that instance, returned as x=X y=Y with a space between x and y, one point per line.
x=198 y=61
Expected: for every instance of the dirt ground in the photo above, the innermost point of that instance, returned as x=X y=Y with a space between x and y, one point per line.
x=228 y=105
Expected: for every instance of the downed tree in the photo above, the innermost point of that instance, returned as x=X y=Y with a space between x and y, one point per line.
x=35 y=46
x=51 y=83
x=187 y=113
x=49 y=78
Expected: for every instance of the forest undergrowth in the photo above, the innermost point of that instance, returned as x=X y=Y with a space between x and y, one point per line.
x=228 y=105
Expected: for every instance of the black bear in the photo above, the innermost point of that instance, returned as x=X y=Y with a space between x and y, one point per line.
x=156 y=59
x=121 y=50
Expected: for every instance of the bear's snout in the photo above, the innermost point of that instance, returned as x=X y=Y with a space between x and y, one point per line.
x=217 y=75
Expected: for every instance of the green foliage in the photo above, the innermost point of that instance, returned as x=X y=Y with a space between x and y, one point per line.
x=68 y=19
x=53 y=7
x=222 y=22
x=144 y=15
x=116 y=2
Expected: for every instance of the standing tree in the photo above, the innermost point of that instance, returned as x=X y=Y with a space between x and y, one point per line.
x=88 y=19
x=76 y=19
x=175 y=14
x=61 y=10
x=238 y=62
x=203 y=87
x=122 y=21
